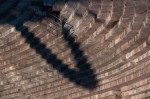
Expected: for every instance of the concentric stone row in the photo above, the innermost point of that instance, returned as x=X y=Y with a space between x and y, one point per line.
x=110 y=35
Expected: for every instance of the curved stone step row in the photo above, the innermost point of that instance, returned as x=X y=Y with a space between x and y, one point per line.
x=79 y=13
x=89 y=30
x=98 y=33
x=133 y=57
x=75 y=93
x=118 y=81
x=81 y=36
x=19 y=35
x=138 y=89
x=117 y=41
x=84 y=26
x=123 y=37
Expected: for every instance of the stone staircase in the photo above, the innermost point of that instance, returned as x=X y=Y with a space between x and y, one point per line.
x=102 y=51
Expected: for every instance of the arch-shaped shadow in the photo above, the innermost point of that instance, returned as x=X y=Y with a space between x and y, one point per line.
x=85 y=77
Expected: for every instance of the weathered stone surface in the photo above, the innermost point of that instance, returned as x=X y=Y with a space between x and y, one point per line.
x=94 y=49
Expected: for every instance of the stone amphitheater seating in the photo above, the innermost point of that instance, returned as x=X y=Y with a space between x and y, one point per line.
x=104 y=54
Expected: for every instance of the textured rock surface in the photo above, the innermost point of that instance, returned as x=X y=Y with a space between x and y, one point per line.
x=102 y=51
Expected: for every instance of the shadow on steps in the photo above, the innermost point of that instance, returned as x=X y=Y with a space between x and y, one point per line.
x=84 y=77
